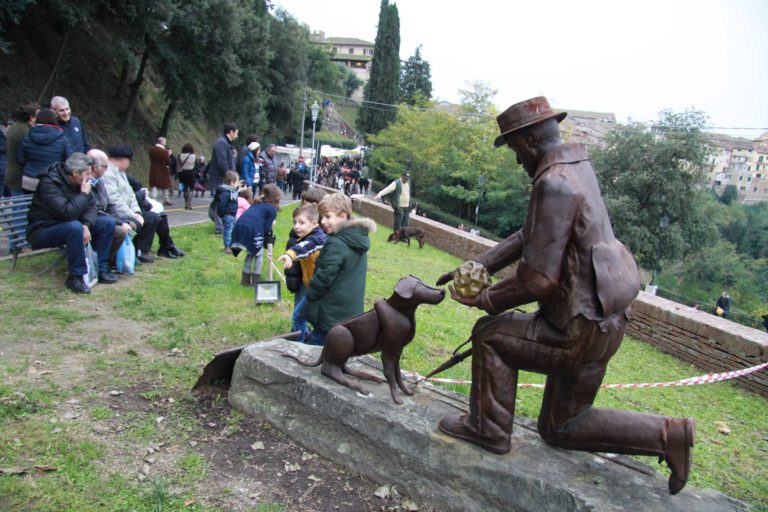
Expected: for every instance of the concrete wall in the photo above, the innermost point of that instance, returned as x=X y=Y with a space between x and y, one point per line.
x=710 y=343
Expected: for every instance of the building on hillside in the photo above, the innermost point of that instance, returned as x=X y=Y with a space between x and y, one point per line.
x=589 y=128
x=354 y=54
x=742 y=163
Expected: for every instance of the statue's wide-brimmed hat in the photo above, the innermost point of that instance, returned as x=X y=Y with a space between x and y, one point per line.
x=524 y=114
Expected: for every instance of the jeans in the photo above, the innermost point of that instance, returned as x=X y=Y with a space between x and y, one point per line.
x=298 y=323
x=317 y=338
x=71 y=234
x=229 y=224
x=402 y=217
x=218 y=226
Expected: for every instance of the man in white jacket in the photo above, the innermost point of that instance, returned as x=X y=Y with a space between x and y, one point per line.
x=122 y=196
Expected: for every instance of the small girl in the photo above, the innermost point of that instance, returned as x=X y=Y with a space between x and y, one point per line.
x=252 y=230
x=226 y=206
x=244 y=201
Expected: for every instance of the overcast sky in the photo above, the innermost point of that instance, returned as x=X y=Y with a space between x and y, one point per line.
x=608 y=56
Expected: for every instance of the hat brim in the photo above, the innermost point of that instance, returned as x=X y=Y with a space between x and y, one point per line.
x=499 y=141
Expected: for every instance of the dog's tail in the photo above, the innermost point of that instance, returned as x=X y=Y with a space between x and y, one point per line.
x=305 y=363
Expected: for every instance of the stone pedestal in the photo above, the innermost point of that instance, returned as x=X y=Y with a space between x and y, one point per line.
x=401 y=445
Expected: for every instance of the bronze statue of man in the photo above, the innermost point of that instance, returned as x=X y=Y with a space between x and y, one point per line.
x=584 y=281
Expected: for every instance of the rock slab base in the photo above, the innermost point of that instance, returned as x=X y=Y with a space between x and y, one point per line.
x=400 y=445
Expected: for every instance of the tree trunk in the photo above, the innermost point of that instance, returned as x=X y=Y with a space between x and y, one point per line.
x=123 y=78
x=167 y=119
x=56 y=66
x=136 y=85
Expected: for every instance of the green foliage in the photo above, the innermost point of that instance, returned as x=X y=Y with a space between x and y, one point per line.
x=453 y=153
x=730 y=194
x=352 y=82
x=645 y=175
x=382 y=88
x=335 y=140
x=415 y=80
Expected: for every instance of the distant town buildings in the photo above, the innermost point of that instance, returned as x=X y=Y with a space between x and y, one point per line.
x=354 y=54
x=742 y=163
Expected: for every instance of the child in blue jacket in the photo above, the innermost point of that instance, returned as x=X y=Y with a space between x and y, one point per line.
x=226 y=206
x=252 y=230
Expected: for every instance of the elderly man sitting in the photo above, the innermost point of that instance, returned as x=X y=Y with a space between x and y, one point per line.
x=63 y=212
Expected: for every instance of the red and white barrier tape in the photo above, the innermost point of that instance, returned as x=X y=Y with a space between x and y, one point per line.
x=690 y=381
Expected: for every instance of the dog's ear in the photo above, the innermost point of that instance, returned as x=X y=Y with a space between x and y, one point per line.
x=405 y=287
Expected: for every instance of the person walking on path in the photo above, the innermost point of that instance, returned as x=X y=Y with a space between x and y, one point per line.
x=188 y=172
x=222 y=160
x=401 y=200
x=159 y=171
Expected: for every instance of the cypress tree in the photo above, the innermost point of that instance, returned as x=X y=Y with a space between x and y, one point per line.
x=383 y=86
x=415 y=80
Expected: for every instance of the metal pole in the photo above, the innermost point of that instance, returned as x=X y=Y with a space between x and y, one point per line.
x=312 y=168
x=303 y=117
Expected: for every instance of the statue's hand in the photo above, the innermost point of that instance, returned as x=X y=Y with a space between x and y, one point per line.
x=445 y=278
x=467 y=301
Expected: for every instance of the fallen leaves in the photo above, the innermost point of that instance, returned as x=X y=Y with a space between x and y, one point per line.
x=722 y=428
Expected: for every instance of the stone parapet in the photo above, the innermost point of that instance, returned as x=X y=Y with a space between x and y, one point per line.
x=710 y=343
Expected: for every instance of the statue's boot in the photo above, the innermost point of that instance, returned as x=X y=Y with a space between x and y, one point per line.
x=680 y=436
x=456 y=426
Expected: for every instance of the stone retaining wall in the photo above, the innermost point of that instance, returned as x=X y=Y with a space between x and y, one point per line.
x=710 y=343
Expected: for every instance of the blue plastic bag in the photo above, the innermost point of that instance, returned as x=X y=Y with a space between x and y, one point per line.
x=125 y=261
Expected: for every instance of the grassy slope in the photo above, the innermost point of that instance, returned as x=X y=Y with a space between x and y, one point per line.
x=196 y=305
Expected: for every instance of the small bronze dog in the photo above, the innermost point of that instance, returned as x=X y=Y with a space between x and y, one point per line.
x=388 y=328
x=405 y=235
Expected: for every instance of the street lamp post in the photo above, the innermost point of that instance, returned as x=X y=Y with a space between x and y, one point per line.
x=663 y=224
x=480 y=181
x=315 y=108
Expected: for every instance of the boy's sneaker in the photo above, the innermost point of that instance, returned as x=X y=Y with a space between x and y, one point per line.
x=76 y=284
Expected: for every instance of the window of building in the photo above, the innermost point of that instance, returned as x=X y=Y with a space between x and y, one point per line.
x=742 y=188
x=368 y=51
x=351 y=51
x=754 y=190
x=749 y=178
x=741 y=177
x=335 y=49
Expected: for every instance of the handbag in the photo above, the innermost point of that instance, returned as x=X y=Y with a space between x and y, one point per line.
x=125 y=260
x=92 y=264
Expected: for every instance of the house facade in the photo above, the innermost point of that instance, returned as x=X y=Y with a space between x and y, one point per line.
x=741 y=163
x=355 y=54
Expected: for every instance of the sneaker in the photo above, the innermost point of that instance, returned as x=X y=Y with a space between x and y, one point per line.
x=145 y=258
x=76 y=284
x=178 y=252
x=167 y=253
x=107 y=277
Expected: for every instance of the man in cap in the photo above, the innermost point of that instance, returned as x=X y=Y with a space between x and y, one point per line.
x=401 y=199
x=121 y=195
x=584 y=281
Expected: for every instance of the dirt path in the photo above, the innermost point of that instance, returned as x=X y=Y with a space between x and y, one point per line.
x=105 y=381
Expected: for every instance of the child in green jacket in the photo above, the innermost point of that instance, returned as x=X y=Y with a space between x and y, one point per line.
x=337 y=289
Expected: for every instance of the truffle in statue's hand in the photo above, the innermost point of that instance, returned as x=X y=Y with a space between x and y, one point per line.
x=470 y=279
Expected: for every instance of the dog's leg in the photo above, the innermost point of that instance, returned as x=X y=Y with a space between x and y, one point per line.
x=399 y=376
x=339 y=347
x=389 y=359
x=421 y=243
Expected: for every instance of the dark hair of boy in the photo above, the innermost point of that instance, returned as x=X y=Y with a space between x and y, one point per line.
x=313 y=195
x=309 y=211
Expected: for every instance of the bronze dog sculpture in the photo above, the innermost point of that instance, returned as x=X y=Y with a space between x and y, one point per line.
x=387 y=328
x=405 y=235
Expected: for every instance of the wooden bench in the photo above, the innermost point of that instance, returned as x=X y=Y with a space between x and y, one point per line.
x=13 y=224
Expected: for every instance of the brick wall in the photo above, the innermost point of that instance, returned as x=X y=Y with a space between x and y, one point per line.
x=710 y=343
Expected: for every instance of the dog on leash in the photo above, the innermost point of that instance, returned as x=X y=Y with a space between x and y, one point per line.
x=387 y=328
x=405 y=235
